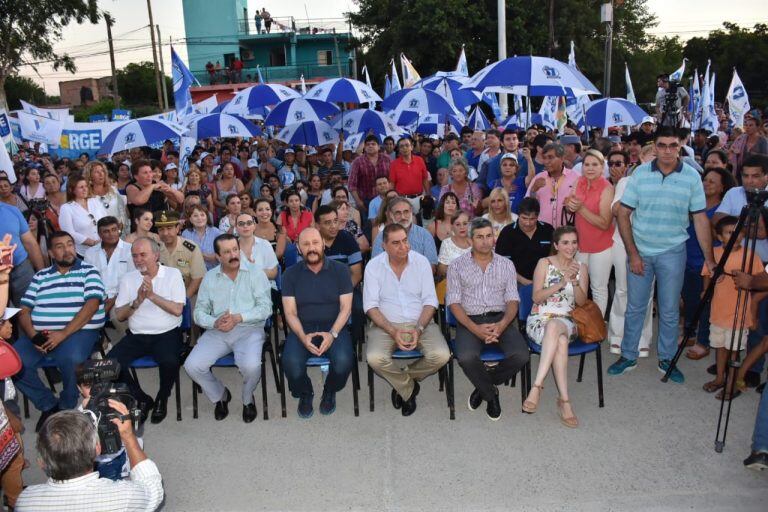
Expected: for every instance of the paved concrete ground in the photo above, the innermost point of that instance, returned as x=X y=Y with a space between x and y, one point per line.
x=650 y=448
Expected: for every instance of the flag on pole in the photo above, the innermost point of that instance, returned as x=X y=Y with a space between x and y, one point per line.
x=548 y=111
x=303 y=85
x=630 y=89
x=695 y=104
x=6 y=164
x=387 y=86
x=258 y=74
x=572 y=56
x=708 y=116
x=371 y=104
x=561 y=116
x=738 y=101
x=182 y=80
x=491 y=99
x=410 y=75
x=575 y=108
x=461 y=66
x=677 y=75
x=394 y=78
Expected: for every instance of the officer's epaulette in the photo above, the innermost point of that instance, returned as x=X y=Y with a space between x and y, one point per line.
x=189 y=245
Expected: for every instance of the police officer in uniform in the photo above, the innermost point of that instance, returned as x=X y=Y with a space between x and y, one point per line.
x=178 y=252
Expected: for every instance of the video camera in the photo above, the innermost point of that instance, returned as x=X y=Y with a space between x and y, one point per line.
x=756 y=197
x=100 y=375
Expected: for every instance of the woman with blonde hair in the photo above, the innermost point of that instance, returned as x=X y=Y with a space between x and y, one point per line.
x=79 y=215
x=101 y=188
x=499 y=210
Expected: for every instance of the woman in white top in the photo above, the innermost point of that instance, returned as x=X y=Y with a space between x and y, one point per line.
x=227 y=222
x=455 y=245
x=31 y=187
x=102 y=189
x=499 y=211
x=79 y=215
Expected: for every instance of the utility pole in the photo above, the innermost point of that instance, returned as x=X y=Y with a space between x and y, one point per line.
x=154 y=56
x=501 y=12
x=551 y=27
x=606 y=16
x=111 y=21
x=162 y=67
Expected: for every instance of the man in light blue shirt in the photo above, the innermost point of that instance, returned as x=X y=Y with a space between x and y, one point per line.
x=232 y=305
x=399 y=211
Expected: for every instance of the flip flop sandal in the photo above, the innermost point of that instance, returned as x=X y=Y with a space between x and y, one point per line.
x=711 y=387
x=736 y=393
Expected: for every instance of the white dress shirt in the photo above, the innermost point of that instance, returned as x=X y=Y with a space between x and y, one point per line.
x=81 y=223
x=143 y=491
x=262 y=256
x=399 y=300
x=150 y=318
x=115 y=268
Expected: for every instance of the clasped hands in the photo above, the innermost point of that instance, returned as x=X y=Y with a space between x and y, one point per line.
x=227 y=321
x=324 y=344
x=573 y=203
x=489 y=333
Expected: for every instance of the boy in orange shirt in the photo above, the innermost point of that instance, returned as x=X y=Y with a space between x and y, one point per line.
x=723 y=308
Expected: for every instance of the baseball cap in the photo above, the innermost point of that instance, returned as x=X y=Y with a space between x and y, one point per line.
x=311 y=151
x=648 y=119
x=570 y=139
x=289 y=150
x=506 y=156
x=9 y=313
x=171 y=166
x=253 y=163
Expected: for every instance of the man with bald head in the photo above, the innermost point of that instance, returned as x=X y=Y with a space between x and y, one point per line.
x=317 y=300
x=151 y=298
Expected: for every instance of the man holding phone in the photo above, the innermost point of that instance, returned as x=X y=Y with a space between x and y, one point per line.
x=317 y=300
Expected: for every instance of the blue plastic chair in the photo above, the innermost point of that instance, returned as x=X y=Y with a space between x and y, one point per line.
x=576 y=348
x=146 y=362
x=291 y=254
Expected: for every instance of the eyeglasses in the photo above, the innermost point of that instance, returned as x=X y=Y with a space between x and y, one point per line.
x=615 y=163
x=244 y=223
x=667 y=147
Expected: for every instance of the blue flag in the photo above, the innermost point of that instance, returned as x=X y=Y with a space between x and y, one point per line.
x=258 y=74
x=493 y=102
x=182 y=81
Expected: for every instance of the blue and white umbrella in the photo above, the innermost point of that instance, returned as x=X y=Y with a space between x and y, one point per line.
x=138 y=133
x=434 y=124
x=298 y=110
x=310 y=133
x=352 y=142
x=419 y=102
x=614 y=112
x=257 y=113
x=251 y=99
x=343 y=90
x=366 y=121
x=531 y=76
x=477 y=120
x=520 y=121
x=450 y=87
x=222 y=125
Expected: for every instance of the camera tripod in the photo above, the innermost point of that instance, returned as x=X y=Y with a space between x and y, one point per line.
x=749 y=219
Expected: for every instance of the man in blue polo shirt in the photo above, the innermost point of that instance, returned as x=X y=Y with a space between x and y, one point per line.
x=61 y=316
x=661 y=194
x=27 y=258
x=399 y=211
x=317 y=300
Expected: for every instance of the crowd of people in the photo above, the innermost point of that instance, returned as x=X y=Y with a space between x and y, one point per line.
x=390 y=243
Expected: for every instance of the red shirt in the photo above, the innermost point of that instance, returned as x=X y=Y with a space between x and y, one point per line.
x=408 y=178
x=292 y=231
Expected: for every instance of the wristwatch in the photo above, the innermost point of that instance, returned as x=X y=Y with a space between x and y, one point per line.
x=334 y=334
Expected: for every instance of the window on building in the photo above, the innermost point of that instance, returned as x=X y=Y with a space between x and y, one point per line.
x=324 y=57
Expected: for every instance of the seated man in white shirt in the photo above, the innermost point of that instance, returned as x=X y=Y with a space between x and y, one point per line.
x=399 y=297
x=68 y=444
x=112 y=258
x=152 y=299
x=232 y=305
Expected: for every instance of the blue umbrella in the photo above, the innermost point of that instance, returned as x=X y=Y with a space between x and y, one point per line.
x=222 y=125
x=420 y=101
x=613 y=112
x=250 y=99
x=531 y=76
x=298 y=110
x=365 y=121
x=310 y=133
x=434 y=124
x=138 y=133
x=477 y=120
x=343 y=90
x=218 y=109
x=450 y=87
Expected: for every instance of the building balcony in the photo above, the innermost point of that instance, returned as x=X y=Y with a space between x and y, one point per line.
x=278 y=74
x=288 y=24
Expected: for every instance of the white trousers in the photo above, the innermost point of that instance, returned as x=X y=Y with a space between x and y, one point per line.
x=619 y=307
x=599 y=264
x=245 y=341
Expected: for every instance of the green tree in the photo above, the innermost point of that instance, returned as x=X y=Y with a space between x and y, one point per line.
x=29 y=29
x=23 y=88
x=136 y=83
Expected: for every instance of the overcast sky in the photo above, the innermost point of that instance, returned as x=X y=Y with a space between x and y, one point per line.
x=87 y=43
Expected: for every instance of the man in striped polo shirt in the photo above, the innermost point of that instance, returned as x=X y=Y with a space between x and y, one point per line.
x=660 y=196
x=62 y=313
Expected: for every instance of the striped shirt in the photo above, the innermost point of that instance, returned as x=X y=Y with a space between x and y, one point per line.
x=142 y=491
x=661 y=206
x=56 y=298
x=481 y=292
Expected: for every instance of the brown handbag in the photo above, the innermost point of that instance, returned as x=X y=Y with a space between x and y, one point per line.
x=589 y=322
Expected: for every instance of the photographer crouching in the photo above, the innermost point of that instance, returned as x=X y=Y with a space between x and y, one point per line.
x=68 y=446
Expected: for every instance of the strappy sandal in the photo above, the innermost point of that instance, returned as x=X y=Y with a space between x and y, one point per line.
x=530 y=407
x=570 y=421
x=712 y=386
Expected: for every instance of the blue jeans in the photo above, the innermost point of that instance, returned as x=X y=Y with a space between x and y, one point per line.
x=295 y=355
x=760 y=435
x=112 y=469
x=668 y=269
x=71 y=352
x=756 y=335
x=693 y=285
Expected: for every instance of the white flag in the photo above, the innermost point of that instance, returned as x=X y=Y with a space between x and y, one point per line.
x=572 y=56
x=708 y=116
x=695 y=102
x=303 y=86
x=410 y=75
x=394 y=79
x=677 y=75
x=40 y=129
x=630 y=89
x=548 y=112
x=59 y=114
x=6 y=164
x=205 y=106
x=738 y=101
x=371 y=104
x=461 y=66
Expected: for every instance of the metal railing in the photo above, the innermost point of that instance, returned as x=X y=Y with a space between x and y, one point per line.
x=271 y=74
x=290 y=24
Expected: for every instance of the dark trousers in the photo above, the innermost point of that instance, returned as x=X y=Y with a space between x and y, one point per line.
x=469 y=347
x=295 y=356
x=165 y=348
x=693 y=285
